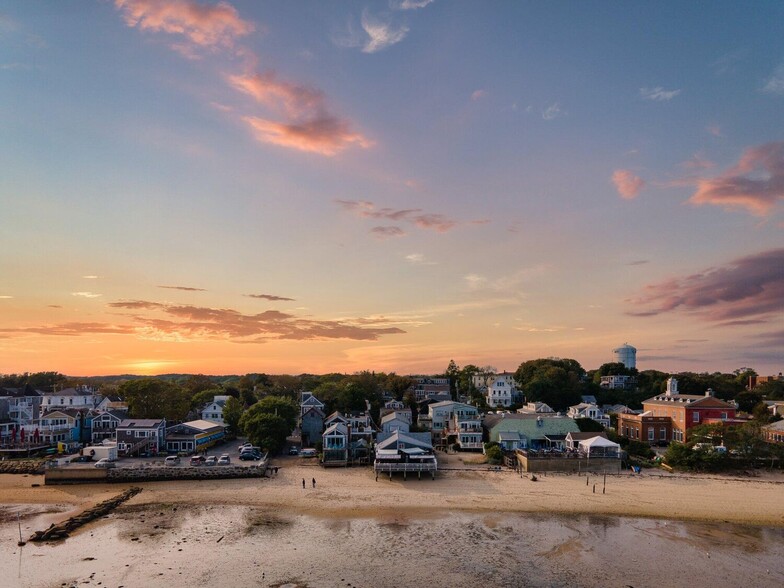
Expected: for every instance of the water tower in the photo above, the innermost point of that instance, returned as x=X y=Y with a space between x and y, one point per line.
x=627 y=355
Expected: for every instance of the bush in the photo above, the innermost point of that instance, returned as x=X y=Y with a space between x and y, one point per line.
x=640 y=449
x=494 y=453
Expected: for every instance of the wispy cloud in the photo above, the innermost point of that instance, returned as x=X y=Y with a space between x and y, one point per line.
x=187 y=322
x=270 y=297
x=74 y=329
x=5 y=297
x=751 y=287
x=410 y=4
x=204 y=25
x=755 y=183
x=90 y=277
x=658 y=94
x=698 y=161
x=381 y=34
x=387 y=232
x=775 y=83
x=714 y=130
x=477 y=95
x=639 y=262
x=728 y=63
x=627 y=183
x=552 y=111
x=183 y=288
x=416 y=216
x=418 y=259
x=508 y=283
x=308 y=124
x=86 y=294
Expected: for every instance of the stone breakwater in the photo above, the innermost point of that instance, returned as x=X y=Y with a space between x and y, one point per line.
x=64 y=529
x=153 y=474
x=22 y=466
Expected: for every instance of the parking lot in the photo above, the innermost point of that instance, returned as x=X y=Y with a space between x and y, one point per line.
x=231 y=448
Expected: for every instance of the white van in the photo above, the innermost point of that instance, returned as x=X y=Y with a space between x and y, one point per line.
x=171 y=460
x=307 y=453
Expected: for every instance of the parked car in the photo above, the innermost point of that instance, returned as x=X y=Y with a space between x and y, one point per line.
x=105 y=463
x=244 y=446
x=197 y=460
x=308 y=453
x=250 y=455
x=293 y=450
x=211 y=460
x=82 y=459
x=224 y=459
x=250 y=449
x=171 y=460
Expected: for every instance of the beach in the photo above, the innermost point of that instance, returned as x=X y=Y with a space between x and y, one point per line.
x=355 y=492
x=467 y=527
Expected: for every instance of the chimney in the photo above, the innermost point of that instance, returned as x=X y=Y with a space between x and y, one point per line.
x=709 y=392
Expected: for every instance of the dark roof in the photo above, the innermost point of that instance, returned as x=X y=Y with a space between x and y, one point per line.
x=586 y=436
x=140 y=423
x=20 y=392
x=684 y=399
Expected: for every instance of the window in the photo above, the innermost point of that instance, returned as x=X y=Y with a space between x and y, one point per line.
x=663 y=434
x=724 y=416
x=651 y=434
x=695 y=417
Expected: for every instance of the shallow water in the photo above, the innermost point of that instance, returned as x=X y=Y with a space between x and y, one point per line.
x=165 y=545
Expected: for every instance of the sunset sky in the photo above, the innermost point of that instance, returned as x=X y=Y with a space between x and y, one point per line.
x=288 y=187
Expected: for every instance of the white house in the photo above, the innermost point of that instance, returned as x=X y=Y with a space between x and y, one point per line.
x=81 y=397
x=502 y=390
x=536 y=408
x=213 y=411
x=588 y=411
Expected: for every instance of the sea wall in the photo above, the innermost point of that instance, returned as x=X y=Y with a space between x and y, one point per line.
x=22 y=466
x=560 y=464
x=149 y=474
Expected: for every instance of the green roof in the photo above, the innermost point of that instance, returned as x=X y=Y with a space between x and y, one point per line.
x=534 y=428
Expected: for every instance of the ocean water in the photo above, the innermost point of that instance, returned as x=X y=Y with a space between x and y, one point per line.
x=165 y=545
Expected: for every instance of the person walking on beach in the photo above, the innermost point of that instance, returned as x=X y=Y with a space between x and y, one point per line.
x=314 y=482
x=303 y=483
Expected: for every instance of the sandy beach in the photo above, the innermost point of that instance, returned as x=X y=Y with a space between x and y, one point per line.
x=473 y=525
x=354 y=492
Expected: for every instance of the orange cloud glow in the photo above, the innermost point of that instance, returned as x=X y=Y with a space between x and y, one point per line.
x=309 y=126
x=755 y=183
x=203 y=25
x=627 y=184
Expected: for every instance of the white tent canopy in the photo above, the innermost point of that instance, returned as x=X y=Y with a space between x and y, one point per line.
x=599 y=445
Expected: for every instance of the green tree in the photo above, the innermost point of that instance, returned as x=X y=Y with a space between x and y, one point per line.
x=452 y=372
x=268 y=431
x=280 y=406
x=748 y=399
x=771 y=390
x=556 y=382
x=151 y=398
x=232 y=413
x=587 y=425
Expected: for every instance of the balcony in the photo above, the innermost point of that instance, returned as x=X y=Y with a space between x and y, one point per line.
x=470 y=445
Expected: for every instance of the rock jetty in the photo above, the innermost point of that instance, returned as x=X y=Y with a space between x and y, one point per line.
x=22 y=466
x=64 y=529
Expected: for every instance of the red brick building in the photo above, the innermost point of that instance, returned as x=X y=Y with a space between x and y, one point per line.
x=654 y=430
x=774 y=432
x=681 y=411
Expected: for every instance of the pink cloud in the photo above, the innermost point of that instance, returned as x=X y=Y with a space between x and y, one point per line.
x=308 y=125
x=325 y=135
x=755 y=183
x=751 y=287
x=183 y=322
x=203 y=25
x=387 y=232
x=698 y=161
x=627 y=184
x=415 y=216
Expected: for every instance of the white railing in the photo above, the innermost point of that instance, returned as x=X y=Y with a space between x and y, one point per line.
x=470 y=445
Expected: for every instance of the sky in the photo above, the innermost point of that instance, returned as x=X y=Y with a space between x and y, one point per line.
x=228 y=187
